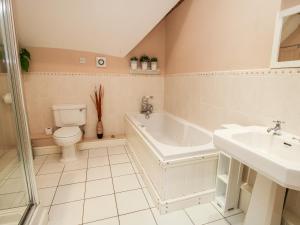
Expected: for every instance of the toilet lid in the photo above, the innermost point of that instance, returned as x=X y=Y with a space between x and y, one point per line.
x=66 y=132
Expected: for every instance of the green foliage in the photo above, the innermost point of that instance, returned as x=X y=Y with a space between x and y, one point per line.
x=133 y=58
x=25 y=59
x=153 y=59
x=144 y=58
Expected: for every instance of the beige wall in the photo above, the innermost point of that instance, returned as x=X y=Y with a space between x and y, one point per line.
x=289 y=3
x=63 y=60
x=122 y=94
x=7 y=125
x=254 y=97
x=220 y=35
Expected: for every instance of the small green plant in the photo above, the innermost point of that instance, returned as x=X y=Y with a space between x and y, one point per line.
x=153 y=59
x=144 y=58
x=24 y=59
x=133 y=58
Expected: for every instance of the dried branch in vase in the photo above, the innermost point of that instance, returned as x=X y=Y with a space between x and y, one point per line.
x=97 y=98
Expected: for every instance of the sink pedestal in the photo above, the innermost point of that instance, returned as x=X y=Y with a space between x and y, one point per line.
x=266 y=203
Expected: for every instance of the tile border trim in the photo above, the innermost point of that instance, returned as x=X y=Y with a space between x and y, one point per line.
x=253 y=72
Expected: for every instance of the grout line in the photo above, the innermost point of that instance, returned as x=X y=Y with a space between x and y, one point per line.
x=56 y=189
x=86 y=171
x=114 y=189
x=188 y=216
x=42 y=164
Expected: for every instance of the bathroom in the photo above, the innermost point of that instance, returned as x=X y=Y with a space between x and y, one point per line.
x=156 y=113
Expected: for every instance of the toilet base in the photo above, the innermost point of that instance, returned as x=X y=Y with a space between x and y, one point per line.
x=68 y=153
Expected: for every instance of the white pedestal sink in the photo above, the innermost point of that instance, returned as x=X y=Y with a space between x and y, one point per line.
x=275 y=158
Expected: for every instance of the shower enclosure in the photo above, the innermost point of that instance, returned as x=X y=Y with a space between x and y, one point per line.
x=18 y=193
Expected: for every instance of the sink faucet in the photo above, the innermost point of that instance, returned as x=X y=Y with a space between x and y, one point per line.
x=146 y=107
x=277 y=128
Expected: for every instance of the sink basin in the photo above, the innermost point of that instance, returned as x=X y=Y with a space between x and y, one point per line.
x=276 y=157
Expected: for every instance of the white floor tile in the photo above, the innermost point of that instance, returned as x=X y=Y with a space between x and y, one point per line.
x=98 y=161
x=99 y=208
x=17 y=173
x=172 y=218
x=219 y=222
x=110 y=221
x=116 y=150
x=68 y=193
x=66 y=214
x=236 y=219
x=121 y=169
x=98 y=188
x=71 y=177
x=48 y=180
x=98 y=173
x=138 y=218
x=39 y=159
x=53 y=158
x=98 y=152
x=148 y=197
x=131 y=201
x=81 y=163
x=54 y=167
x=46 y=195
x=12 y=185
x=116 y=159
x=142 y=183
x=204 y=213
x=126 y=183
x=83 y=154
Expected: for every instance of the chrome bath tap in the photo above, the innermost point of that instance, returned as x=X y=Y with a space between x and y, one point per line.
x=277 y=128
x=146 y=107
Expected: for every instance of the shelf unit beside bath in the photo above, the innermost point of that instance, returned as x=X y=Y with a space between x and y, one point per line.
x=228 y=182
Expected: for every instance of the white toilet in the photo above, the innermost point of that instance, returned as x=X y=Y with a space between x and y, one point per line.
x=68 y=118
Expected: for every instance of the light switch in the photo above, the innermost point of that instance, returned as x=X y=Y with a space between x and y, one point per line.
x=82 y=60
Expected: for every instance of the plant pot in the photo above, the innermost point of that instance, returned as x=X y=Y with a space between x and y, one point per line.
x=99 y=130
x=144 y=65
x=133 y=65
x=153 y=65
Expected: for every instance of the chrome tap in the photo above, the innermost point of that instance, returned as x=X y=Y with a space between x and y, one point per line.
x=146 y=107
x=277 y=128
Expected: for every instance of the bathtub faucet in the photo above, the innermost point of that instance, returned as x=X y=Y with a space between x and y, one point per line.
x=146 y=107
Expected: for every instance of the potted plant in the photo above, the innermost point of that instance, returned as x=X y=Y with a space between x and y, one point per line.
x=133 y=63
x=97 y=98
x=153 y=63
x=144 y=61
x=24 y=59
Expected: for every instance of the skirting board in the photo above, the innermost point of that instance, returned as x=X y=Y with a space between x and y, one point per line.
x=171 y=204
x=84 y=145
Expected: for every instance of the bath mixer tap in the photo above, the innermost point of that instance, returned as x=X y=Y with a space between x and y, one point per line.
x=277 y=128
x=146 y=107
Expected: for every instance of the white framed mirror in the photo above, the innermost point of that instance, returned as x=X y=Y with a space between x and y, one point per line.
x=286 y=44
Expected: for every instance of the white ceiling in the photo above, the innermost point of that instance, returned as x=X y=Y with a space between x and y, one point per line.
x=112 y=27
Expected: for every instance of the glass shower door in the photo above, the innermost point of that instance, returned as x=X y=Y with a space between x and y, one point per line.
x=17 y=184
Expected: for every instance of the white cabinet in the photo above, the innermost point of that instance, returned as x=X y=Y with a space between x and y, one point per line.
x=229 y=175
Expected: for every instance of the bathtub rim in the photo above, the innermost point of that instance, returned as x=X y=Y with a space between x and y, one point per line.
x=204 y=151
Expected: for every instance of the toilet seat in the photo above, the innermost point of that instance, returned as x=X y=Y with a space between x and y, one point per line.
x=67 y=132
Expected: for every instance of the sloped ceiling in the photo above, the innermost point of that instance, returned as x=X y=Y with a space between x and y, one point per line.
x=112 y=27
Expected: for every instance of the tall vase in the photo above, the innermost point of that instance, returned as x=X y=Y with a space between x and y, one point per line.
x=99 y=130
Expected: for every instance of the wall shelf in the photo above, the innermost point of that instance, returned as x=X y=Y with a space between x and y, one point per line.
x=144 y=72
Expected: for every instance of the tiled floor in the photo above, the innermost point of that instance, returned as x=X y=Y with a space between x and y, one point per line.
x=103 y=188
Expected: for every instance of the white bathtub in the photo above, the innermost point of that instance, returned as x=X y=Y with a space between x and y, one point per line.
x=172 y=137
x=177 y=159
